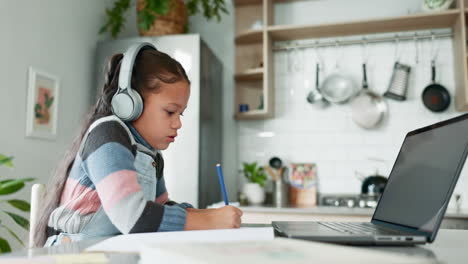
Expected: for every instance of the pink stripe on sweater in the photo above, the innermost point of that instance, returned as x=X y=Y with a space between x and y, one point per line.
x=79 y=198
x=116 y=186
x=163 y=198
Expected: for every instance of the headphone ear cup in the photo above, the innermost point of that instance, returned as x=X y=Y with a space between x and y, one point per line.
x=122 y=106
x=137 y=104
x=127 y=103
x=127 y=106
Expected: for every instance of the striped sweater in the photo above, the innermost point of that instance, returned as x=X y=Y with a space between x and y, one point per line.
x=116 y=185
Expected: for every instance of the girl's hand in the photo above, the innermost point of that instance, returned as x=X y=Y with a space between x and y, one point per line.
x=226 y=217
x=220 y=218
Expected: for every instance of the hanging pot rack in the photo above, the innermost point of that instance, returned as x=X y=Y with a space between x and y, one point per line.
x=333 y=43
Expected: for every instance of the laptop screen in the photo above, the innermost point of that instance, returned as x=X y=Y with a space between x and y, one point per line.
x=422 y=178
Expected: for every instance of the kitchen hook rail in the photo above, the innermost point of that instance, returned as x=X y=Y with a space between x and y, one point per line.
x=334 y=43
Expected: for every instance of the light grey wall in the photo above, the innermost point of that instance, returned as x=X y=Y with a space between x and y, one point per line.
x=54 y=36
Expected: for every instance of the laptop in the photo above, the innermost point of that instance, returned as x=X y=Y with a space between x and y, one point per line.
x=415 y=198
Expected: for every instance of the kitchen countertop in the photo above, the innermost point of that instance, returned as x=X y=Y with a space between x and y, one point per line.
x=331 y=210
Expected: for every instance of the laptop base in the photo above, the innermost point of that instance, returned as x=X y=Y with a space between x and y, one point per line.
x=314 y=231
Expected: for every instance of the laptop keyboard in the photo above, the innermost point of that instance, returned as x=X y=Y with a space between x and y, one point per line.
x=358 y=228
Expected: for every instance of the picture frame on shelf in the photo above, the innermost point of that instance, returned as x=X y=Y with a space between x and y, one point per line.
x=42 y=104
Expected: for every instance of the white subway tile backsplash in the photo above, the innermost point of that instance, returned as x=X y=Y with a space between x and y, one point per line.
x=349 y=139
x=319 y=138
x=328 y=137
x=349 y=186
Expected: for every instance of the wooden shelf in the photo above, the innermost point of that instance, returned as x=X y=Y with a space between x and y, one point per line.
x=247 y=2
x=252 y=115
x=250 y=75
x=445 y=19
x=259 y=2
x=250 y=36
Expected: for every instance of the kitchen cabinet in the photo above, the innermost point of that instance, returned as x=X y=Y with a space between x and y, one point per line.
x=254 y=47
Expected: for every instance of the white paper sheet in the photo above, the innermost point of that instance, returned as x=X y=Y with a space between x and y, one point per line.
x=134 y=242
x=279 y=250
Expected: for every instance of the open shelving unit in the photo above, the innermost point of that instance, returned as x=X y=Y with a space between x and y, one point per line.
x=444 y=19
x=254 y=47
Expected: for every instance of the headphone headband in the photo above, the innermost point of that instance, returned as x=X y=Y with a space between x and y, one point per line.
x=126 y=68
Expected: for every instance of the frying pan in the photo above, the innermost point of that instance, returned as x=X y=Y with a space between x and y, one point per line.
x=368 y=109
x=435 y=96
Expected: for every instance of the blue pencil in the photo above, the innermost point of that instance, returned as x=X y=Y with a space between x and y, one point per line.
x=221 y=182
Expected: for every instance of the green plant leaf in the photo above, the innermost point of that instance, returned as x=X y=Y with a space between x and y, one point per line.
x=192 y=7
x=159 y=7
x=13 y=234
x=6 y=161
x=4 y=246
x=145 y=19
x=254 y=173
x=12 y=186
x=20 y=204
x=49 y=102
x=115 y=18
x=23 y=222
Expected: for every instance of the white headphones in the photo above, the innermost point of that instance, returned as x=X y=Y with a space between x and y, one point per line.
x=127 y=103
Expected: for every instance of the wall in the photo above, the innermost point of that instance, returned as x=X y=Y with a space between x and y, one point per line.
x=328 y=137
x=57 y=37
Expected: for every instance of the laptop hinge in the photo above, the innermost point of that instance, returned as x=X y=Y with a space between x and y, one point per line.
x=402 y=228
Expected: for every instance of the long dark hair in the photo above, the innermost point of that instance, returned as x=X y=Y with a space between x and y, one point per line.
x=150 y=69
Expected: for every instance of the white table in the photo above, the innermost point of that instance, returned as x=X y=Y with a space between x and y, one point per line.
x=450 y=246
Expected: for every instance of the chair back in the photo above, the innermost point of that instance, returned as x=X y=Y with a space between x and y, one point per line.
x=38 y=192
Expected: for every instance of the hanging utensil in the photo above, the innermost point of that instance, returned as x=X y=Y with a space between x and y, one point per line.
x=416 y=48
x=398 y=85
x=368 y=109
x=338 y=87
x=315 y=96
x=435 y=96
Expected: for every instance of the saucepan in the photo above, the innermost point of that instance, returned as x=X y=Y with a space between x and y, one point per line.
x=368 y=109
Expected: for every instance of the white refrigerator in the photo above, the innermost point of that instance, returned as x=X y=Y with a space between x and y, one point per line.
x=189 y=170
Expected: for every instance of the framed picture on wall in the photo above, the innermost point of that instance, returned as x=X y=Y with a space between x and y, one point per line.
x=42 y=105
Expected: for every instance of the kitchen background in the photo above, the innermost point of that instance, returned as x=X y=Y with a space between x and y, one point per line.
x=60 y=37
x=303 y=132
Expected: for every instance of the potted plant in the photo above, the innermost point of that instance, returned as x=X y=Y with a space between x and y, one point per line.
x=7 y=187
x=256 y=178
x=161 y=17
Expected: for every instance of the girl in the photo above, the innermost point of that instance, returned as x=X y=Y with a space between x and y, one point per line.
x=111 y=181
